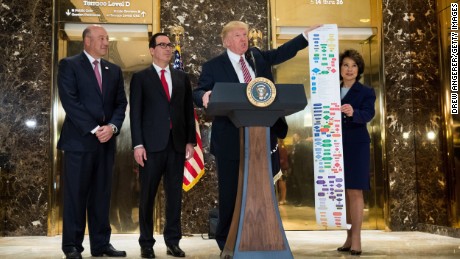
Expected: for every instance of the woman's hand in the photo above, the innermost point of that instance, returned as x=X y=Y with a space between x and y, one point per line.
x=347 y=109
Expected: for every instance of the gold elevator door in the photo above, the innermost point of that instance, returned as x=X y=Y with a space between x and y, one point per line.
x=128 y=48
x=359 y=27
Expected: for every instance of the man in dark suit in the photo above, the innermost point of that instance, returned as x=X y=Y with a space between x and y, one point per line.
x=163 y=136
x=94 y=100
x=228 y=67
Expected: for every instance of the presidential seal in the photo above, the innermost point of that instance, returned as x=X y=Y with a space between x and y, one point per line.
x=261 y=92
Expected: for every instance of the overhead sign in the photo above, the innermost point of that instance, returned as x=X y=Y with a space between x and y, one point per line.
x=134 y=11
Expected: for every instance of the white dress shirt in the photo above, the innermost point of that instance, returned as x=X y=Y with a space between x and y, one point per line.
x=235 y=60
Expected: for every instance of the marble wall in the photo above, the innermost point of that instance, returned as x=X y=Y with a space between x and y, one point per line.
x=416 y=174
x=25 y=83
x=416 y=178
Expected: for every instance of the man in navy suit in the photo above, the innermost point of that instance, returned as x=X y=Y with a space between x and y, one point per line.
x=163 y=136
x=225 y=136
x=92 y=94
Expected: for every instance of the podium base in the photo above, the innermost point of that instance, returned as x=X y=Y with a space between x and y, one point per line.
x=256 y=230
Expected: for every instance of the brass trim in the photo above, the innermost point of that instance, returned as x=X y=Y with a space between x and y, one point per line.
x=448 y=123
x=53 y=136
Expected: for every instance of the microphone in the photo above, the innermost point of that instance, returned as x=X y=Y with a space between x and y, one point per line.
x=250 y=55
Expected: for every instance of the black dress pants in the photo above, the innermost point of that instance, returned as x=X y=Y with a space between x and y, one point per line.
x=86 y=188
x=168 y=164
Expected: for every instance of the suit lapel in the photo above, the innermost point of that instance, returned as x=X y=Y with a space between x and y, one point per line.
x=228 y=67
x=175 y=82
x=156 y=81
x=251 y=64
x=105 y=77
x=249 y=55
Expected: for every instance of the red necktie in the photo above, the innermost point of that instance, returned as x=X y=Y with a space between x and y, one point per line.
x=246 y=74
x=98 y=75
x=165 y=84
x=166 y=88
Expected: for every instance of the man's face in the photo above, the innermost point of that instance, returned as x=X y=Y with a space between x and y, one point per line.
x=237 y=41
x=161 y=54
x=295 y=138
x=97 y=42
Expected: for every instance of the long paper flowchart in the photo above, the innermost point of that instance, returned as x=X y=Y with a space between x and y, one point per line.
x=327 y=127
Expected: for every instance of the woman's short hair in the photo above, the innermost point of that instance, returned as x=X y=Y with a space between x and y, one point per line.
x=356 y=57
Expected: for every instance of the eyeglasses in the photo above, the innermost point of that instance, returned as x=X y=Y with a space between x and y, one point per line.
x=165 y=45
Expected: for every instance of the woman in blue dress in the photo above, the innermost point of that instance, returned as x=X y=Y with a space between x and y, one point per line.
x=357 y=110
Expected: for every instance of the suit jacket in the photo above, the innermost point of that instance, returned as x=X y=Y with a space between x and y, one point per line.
x=151 y=112
x=225 y=136
x=85 y=106
x=362 y=99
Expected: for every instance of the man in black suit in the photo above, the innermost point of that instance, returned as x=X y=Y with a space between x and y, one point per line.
x=92 y=94
x=225 y=136
x=163 y=136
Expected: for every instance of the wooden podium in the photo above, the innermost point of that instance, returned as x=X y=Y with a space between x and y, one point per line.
x=256 y=230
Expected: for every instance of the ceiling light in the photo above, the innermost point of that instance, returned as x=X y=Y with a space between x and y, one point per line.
x=31 y=123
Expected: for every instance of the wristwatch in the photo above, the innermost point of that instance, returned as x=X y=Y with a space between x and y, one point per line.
x=114 y=128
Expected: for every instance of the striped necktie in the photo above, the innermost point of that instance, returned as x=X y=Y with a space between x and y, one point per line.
x=246 y=74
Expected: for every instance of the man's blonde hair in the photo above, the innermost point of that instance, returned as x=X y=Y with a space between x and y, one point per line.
x=231 y=26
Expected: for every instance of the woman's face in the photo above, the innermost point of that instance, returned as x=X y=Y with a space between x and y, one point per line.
x=349 y=69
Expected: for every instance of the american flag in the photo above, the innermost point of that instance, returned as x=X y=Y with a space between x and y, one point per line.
x=178 y=59
x=194 y=167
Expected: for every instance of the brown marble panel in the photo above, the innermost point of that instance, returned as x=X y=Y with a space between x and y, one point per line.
x=432 y=185
x=417 y=189
x=25 y=76
x=399 y=117
x=203 y=21
x=395 y=5
x=439 y=230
